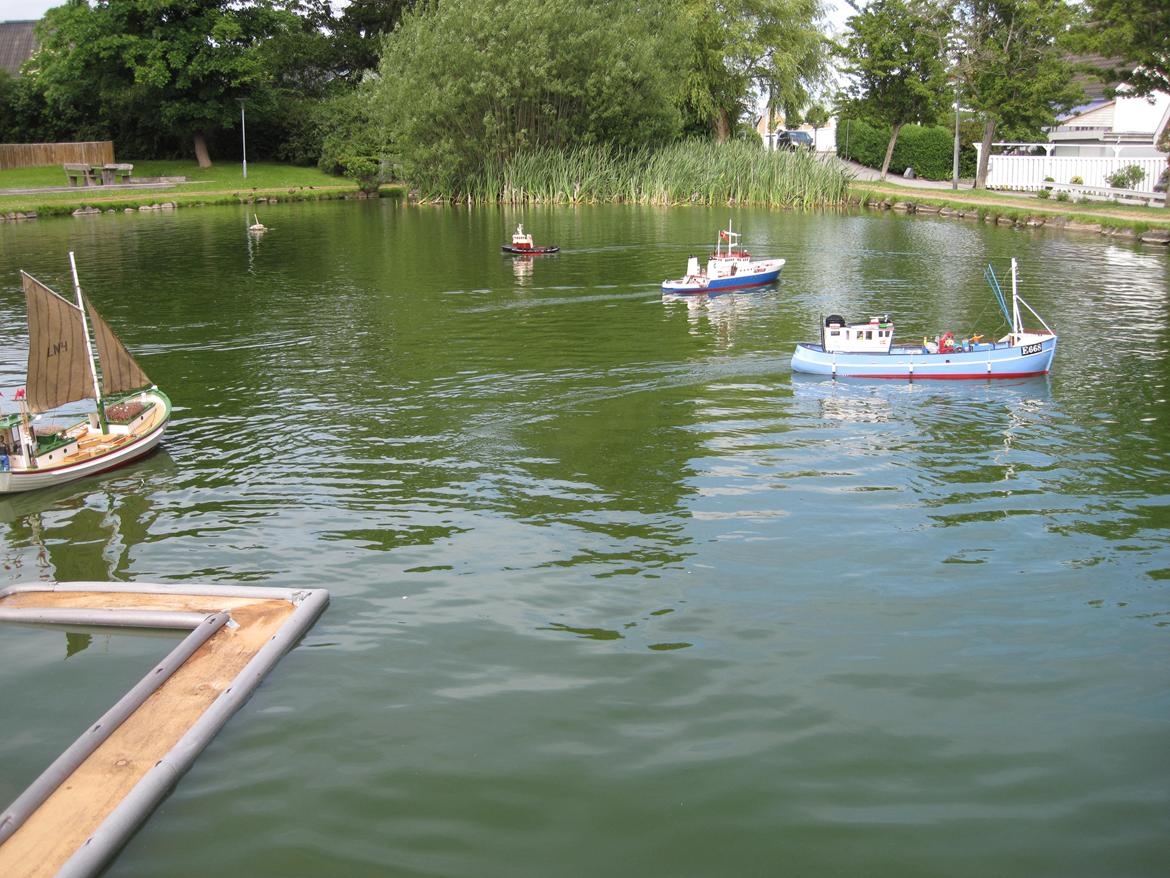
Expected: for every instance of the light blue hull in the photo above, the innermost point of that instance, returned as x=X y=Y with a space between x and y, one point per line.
x=984 y=361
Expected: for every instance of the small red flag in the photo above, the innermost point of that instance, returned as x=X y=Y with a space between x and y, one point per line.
x=20 y=393
x=723 y=235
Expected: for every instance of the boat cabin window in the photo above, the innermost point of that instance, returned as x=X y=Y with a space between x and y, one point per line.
x=869 y=334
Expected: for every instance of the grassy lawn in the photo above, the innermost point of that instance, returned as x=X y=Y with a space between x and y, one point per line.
x=222 y=183
x=1018 y=205
x=222 y=174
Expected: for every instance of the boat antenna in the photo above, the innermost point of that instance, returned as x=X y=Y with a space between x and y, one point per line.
x=97 y=390
x=993 y=282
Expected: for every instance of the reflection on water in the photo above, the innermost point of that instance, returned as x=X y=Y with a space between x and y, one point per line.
x=75 y=642
x=724 y=313
x=597 y=556
x=522 y=267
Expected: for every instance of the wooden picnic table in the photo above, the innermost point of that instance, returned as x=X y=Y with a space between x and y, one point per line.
x=81 y=174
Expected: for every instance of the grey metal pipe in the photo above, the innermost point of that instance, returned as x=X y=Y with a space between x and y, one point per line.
x=198 y=589
x=80 y=750
x=121 y=823
x=101 y=618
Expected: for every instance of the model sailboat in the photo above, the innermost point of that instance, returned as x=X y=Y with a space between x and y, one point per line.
x=130 y=416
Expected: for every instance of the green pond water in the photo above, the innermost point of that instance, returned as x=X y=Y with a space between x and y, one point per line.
x=613 y=591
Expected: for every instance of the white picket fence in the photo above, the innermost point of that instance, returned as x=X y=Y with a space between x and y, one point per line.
x=1027 y=173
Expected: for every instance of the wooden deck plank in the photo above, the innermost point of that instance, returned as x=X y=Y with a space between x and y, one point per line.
x=70 y=815
x=93 y=443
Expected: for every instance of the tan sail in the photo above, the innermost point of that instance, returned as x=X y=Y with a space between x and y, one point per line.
x=58 y=365
x=120 y=371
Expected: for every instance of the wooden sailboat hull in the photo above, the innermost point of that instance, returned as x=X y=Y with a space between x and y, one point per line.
x=97 y=452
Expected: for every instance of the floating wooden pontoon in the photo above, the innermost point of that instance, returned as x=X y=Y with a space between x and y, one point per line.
x=76 y=816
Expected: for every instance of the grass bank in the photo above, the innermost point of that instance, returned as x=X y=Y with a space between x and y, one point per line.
x=42 y=190
x=1015 y=209
x=693 y=172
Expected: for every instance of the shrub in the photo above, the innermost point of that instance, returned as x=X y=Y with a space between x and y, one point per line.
x=1062 y=196
x=1049 y=180
x=1043 y=193
x=1076 y=180
x=1126 y=178
x=461 y=83
x=929 y=150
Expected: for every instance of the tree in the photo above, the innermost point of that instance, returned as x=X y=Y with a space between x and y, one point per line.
x=478 y=80
x=735 y=46
x=1137 y=32
x=816 y=116
x=360 y=29
x=157 y=67
x=1013 y=63
x=353 y=141
x=896 y=53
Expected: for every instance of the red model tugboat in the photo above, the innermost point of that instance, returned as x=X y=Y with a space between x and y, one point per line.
x=522 y=244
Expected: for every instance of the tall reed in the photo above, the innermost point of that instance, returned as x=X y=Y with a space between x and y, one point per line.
x=690 y=172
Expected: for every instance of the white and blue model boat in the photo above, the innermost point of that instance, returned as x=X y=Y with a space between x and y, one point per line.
x=728 y=268
x=868 y=350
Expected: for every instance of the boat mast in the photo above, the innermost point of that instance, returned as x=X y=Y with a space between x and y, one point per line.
x=28 y=437
x=97 y=390
x=1017 y=326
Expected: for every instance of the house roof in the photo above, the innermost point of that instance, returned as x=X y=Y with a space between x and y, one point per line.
x=17 y=43
x=1075 y=112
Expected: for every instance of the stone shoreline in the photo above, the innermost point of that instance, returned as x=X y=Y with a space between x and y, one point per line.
x=989 y=214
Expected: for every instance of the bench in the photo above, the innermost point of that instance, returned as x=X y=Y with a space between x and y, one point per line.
x=80 y=175
x=1108 y=193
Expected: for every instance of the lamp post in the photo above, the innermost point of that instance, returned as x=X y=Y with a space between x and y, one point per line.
x=955 y=158
x=243 y=137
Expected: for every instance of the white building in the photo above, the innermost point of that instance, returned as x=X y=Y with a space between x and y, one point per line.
x=1124 y=127
x=1087 y=147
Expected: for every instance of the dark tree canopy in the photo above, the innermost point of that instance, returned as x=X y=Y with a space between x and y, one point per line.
x=152 y=69
x=444 y=84
x=360 y=29
x=1136 y=32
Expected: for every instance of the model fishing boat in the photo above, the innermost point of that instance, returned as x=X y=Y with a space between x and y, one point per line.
x=868 y=350
x=522 y=244
x=131 y=413
x=728 y=268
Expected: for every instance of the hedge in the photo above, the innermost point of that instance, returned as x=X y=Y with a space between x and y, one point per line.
x=929 y=150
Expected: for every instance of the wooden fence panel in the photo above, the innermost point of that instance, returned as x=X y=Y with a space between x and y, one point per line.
x=33 y=155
